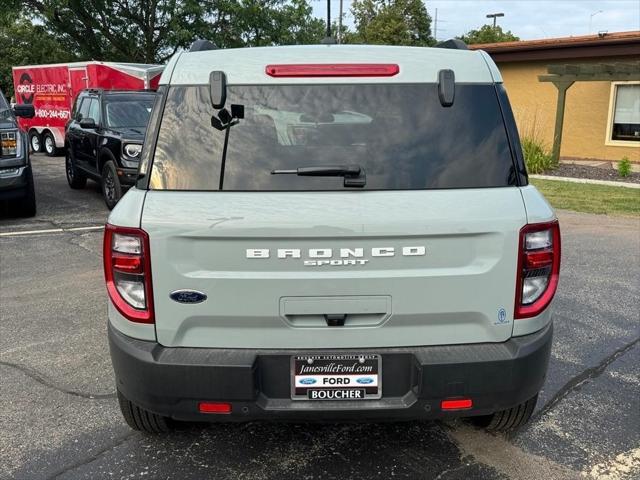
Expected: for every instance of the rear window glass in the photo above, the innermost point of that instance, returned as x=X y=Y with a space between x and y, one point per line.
x=128 y=111
x=399 y=134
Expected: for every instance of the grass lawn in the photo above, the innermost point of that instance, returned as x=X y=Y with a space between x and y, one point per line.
x=590 y=198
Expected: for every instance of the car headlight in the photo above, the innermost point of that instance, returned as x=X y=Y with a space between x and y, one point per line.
x=132 y=150
x=11 y=143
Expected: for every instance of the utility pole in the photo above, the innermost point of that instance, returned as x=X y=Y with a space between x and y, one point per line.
x=591 y=18
x=495 y=16
x=435 y=27
x=328 y=40
x=340 y=24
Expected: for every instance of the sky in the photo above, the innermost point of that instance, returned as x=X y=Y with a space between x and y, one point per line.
x=528 y=19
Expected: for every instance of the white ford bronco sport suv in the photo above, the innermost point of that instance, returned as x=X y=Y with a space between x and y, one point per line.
x=331 y=232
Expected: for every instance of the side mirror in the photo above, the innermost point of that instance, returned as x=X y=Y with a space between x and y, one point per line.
x=24 y=110
x=88 y=123
x=218 y=88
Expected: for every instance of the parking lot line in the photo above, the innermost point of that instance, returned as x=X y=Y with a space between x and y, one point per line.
x=49 y=230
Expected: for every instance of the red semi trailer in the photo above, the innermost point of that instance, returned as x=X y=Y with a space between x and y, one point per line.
x=52 y=89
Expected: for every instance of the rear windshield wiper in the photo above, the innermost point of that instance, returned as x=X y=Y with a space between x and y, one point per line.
x=354 y=175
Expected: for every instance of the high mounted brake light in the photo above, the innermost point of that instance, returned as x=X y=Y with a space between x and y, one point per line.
x=538 y=268
x=127 y=272
x=333 y=70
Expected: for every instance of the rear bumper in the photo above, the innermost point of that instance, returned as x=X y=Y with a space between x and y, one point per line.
x=171 y=381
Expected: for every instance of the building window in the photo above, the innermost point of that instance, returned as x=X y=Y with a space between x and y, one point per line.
x=624 y=124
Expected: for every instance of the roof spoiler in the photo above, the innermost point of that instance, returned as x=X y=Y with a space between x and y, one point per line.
x=453 y=43
x=202 y=45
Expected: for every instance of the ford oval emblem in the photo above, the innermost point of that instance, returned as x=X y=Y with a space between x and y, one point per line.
x=365 y=380
x=307 y=381
x=187 y=296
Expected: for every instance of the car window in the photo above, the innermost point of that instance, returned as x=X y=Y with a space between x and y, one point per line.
x=94 y=110
x=83 y=111
x=400 y=134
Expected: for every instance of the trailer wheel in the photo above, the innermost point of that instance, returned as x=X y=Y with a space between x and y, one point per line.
x=34 y=141
x=49 y=144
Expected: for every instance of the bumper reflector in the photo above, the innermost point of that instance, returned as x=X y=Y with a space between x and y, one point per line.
x=214 y=407
x=457 y=404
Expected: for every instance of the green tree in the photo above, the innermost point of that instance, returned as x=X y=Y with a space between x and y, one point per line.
x=151 y=31
x=23 y=42
x=488 y=34
x=390 y=22
x=276 y=22
x=135 y=30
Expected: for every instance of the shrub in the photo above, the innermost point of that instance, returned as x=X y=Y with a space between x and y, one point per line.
x=624 y=167
x=536 y=155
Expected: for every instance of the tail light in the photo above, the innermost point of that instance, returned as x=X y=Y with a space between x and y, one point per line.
x=127 y=272
x=538 y=268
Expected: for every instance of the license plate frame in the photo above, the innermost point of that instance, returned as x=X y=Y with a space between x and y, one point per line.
x=368 y=383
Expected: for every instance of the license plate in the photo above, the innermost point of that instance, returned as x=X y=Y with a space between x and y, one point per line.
x=336 y=377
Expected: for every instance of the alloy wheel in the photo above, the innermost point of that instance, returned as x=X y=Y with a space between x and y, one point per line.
x=35 y=143
x=109 y=187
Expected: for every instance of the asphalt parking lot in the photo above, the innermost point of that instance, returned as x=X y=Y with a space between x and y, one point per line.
x=59 y=417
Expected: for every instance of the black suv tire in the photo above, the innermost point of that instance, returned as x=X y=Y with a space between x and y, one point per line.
x=75 y=179
x=140 y=419
x=507 y=420
x=26 y=207
x=111 y=188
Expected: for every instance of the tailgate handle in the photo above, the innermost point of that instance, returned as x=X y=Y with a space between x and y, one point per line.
x=335 y=319
x=347 y=311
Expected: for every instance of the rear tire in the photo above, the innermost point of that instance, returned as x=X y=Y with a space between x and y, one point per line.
x=507 y=420
x=141 y=419
x=111 y=188
x=35 y=143
x=75 y=179
x=49 y=144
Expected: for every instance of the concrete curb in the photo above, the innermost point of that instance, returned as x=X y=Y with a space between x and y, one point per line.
x=587 y=180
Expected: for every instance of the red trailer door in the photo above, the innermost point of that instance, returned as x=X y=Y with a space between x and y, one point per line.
x=78 y=80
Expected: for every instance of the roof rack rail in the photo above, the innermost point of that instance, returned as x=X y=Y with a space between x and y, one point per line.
x=453 y=43
x=202 y=45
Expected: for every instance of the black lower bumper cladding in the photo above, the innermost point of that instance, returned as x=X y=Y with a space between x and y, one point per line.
x=257 y=383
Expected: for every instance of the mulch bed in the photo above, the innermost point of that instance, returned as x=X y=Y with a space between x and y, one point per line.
x=593 y=173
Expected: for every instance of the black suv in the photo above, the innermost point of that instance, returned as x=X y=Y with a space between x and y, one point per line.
x=104 y=139
x=16 y=177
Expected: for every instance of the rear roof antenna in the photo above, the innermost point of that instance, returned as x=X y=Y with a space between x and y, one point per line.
x=328 y=40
